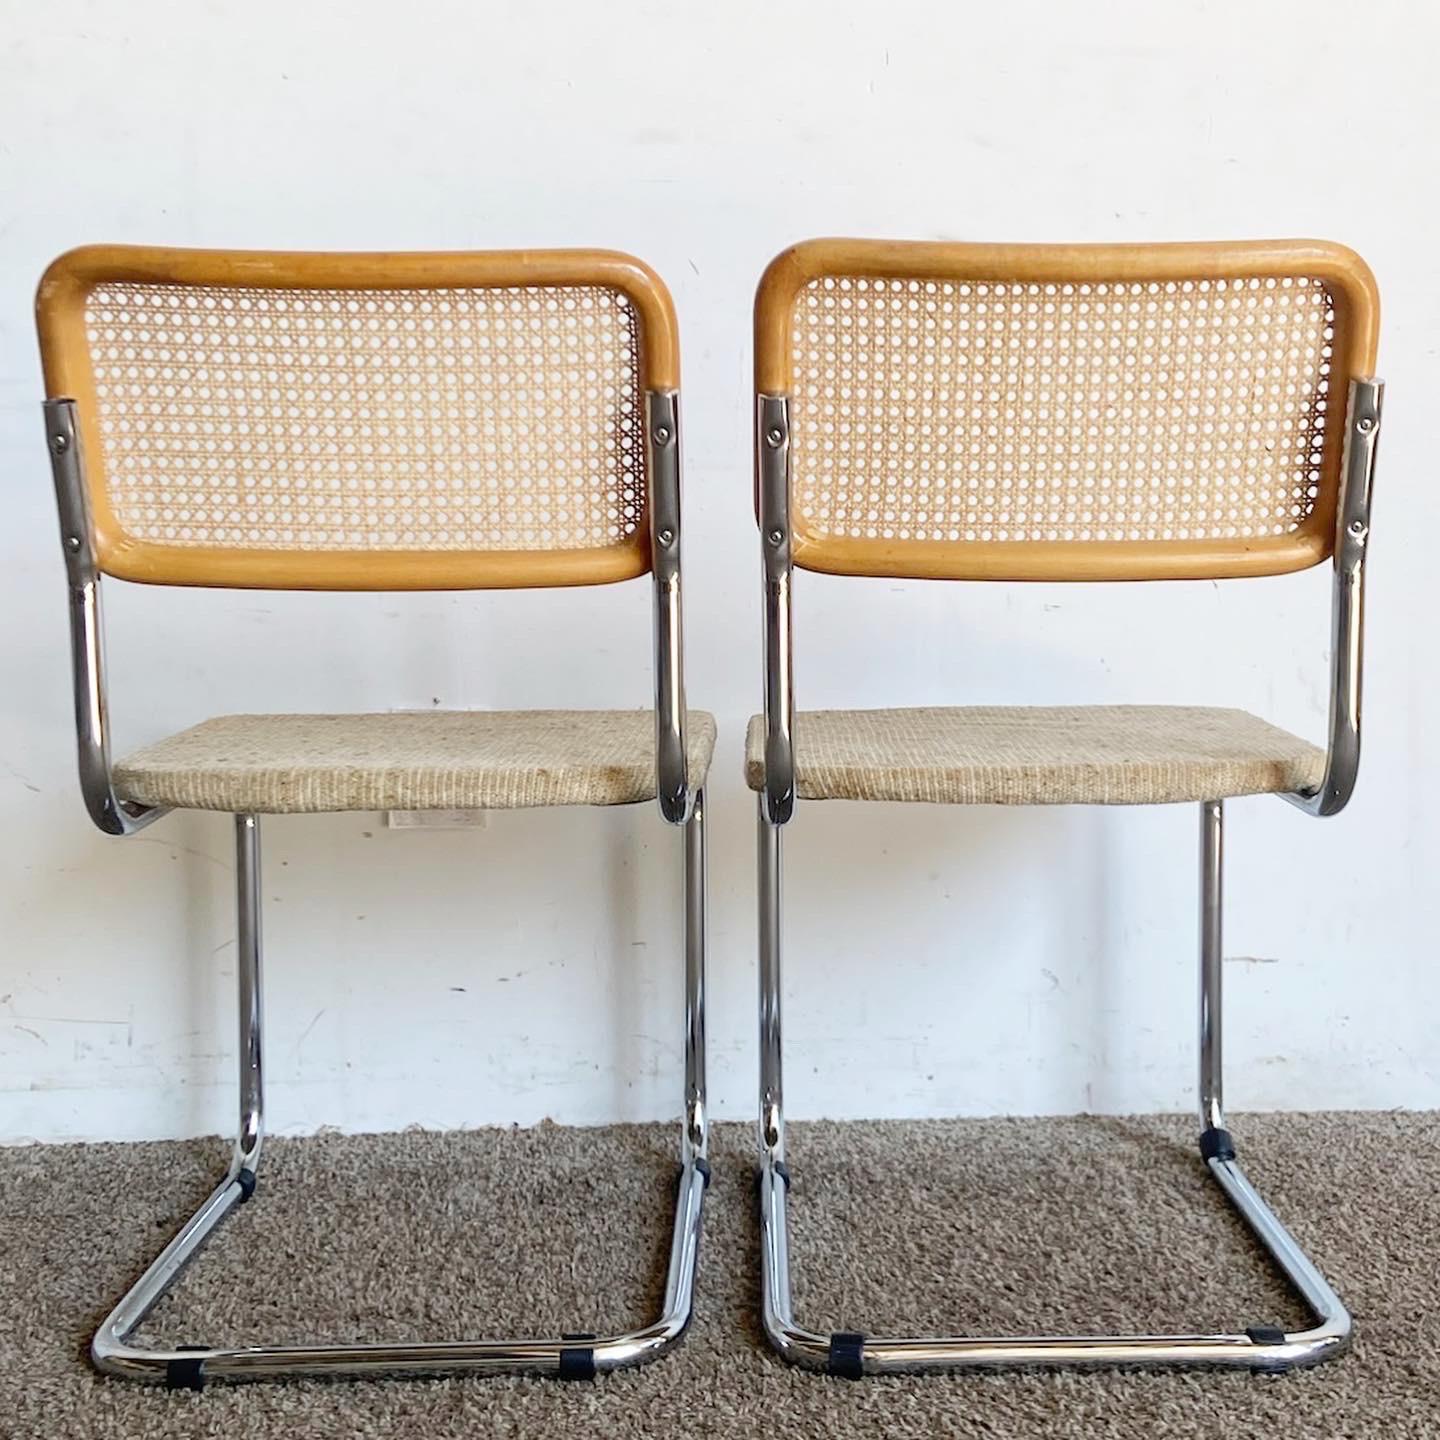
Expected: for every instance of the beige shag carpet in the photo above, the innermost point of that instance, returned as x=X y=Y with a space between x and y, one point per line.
x=994 y=1225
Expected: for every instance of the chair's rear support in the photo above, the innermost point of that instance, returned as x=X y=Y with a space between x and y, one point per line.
x=1347 y=609
x=567 y=1356
x=852 y=1354
x=772 y=507
x=662 y=439
x=87 y=639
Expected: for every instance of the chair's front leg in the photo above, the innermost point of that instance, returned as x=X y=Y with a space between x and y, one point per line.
x=697 y=1120
x=679 y=1305
x=772 y=1110
x=794 y=1342
x=576 y=1357
x=251 y=1130
x=853 y=1355
x=1331 y=1333
x=110 y=1349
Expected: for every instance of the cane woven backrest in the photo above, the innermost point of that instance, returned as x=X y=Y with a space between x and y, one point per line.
x=361 y=421
x=1064 y=412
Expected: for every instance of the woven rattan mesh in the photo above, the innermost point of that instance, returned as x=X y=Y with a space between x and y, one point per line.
x=373 y=420
x=1123 y=412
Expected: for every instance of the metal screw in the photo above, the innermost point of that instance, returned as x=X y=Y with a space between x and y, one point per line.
x=1365 y=424
x=777 y=537
x=72 y=544
x=666 y=536
x=774 y=435
x=1357 y=528
x=59 y=443
x=662 y=434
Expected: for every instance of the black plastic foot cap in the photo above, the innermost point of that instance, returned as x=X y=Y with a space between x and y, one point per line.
x=577 y=1362
x=246 y=1180
x=185 y=1375
x=847 y=1355
x=1216 y=1145
x=1266 y=1334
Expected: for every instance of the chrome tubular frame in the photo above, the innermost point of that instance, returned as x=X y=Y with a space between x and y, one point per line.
x=1352 y=535
x=569 y=1357
x=849 y=1354
x=772 y=479
x=852 y=1354
x=87 y=640
x=579 y=1356
x=662 y=431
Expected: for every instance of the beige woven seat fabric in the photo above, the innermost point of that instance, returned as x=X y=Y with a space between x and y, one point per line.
x=1087 y=755
x=429 y=760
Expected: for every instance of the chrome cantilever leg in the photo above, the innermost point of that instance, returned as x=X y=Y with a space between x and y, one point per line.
x=854 y=1355
x=247 y=914
x=567 y=1357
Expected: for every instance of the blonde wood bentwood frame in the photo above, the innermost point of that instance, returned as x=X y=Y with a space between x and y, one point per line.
x=95 y=542
x=1337 y=526
x=68 y=357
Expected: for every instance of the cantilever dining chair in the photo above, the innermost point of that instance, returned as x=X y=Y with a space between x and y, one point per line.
x=1005 y=412
x=376 y=422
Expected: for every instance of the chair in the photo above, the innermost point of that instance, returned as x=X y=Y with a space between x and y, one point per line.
x=376 y=422
x=1010 y=412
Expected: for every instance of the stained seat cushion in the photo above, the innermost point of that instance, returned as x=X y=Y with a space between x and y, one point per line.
x=1040 y=755
x=404 y=760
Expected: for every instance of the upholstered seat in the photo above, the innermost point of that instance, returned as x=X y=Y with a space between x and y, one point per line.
x=1086 y=755
x=423 y=760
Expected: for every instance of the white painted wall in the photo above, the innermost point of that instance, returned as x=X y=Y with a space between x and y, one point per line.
x=941 y=962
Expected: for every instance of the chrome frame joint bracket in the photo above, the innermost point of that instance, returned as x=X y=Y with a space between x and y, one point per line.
x=87 y=646
x=662 y=448
x=772 y=479
x=1347 y=623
